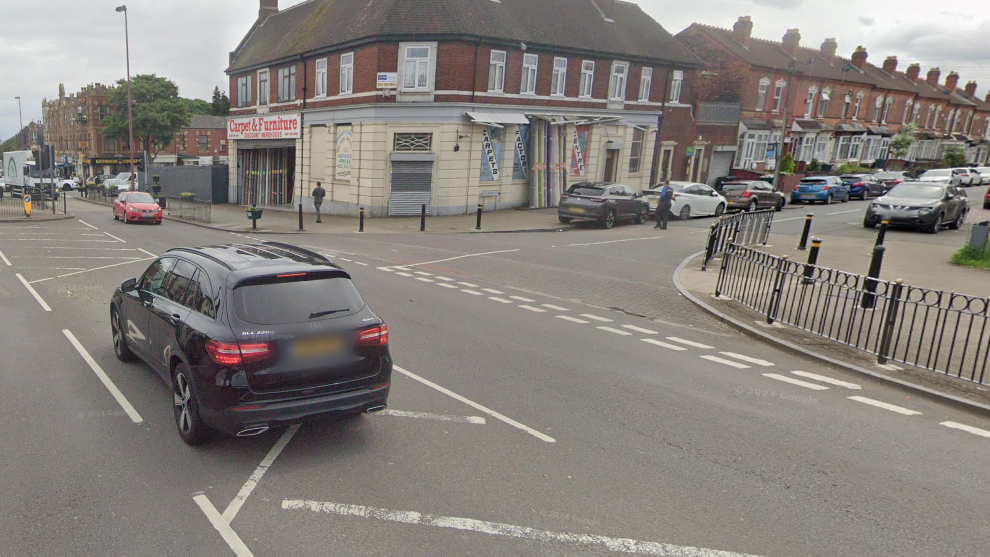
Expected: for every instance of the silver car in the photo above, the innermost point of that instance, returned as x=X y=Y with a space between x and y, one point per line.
x=947 y=176
x=984 y=172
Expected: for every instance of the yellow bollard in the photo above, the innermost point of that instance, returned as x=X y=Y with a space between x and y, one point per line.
x=27 y=205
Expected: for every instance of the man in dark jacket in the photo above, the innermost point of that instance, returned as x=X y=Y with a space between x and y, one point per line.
x=318 y=194
x=664 y=204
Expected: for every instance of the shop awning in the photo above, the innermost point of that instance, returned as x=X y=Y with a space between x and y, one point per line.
x=575 y=119
x=497 y=119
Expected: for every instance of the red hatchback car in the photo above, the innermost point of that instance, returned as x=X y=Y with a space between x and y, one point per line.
x=137 y=206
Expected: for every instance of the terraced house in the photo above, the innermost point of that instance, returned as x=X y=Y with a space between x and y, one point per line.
x=394 y=104
x=826 y=108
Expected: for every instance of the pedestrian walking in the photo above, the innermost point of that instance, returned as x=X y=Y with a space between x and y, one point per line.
x=318 y=194
x=663 y=205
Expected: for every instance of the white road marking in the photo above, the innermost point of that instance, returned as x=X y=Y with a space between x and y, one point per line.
x=613 y=241
x=472 y=292
x=235 y=506
x=147 y=252
x=119 y=396
x=445 y=279
x=77 y=248
x=499 y=300
x=386 y=269
x=90 y=270
x=535 y=310
x=421 y=273
x=49 y=233
x=428 y=416
x=689 y=343
x=616 y=545
x=226 y=532
x=476 y=406
x=493 y=291
x=828 y=380
x=616 y=331
x=76 y=257
x=398 y=268
x=522 y=299
x=344 y=259
x=640 y=330
x=596 y=318
x=34 y=293
x=401 y=274
x=723 y=361
x=361 y=264
x=845 y=212
x=468 y=284
x=424 y=279
x=798 y=382
x=573 y=319
x=89 y=225
x=63 y=240
x=885 y=406
x=968 y=429
x=115 y=238
x=555 y=308
x=5 y=260
x=461 y=257
x=663 y=344
x=749 y=359
x=447 y=285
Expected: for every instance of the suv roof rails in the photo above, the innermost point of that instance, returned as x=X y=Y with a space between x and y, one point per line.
x=209 y=256
x=290 y=247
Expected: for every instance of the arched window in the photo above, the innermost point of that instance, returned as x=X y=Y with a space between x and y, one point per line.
x=878 y=107
x=907 y=111
x=810 y=106
x=886 y=109
x=761 y=99
x=858 y=105
x=930 y=122
x=778 y=94
x=916 y=113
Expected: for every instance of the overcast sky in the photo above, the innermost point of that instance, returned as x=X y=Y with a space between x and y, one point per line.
x=77 y=42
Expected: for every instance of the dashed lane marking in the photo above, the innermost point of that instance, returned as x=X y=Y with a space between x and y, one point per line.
x=499 y=300
x=690 y=343
x=34 y=293
x=428 y=416
x=115 y=238
x=5 y=260
x=114 y=391
x=725 y=362
x=885 y=406
x=424 y=279
x=345 y=259
x=471 y=292
x=968 y=429
x=828 y=380
x=89 y=225
x=445 y=279
x=640 y=330
x=361 y=264
x=596 y=318
x=555 y=308
x=573 y=319
x=386 y=269
x=401 y=274
x=235 y=506
x=468 y=284
x=522 y=299
x=749 y=359
x=493 y=291
x=533 y=309
x=615 y=331
x=422 y=274
x=797 y=382
x=445 y=285
x=660 y=343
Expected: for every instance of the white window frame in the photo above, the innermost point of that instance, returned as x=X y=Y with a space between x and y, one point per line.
x=986 y=127
x=636 y=160
x=930 y=121
x=264 y=92
x=321 y=77
x=676 y=85
x=878 y=109
x=761 y=96
x=916 y=113
x=810 y=106
x=858 y=105
x=419 y=67
x=907 y=111
x=617 y=81
x=496 y=71
x=346 y=86
x=244 y=91
x=558 y=82
x=886 y=109
x=587 y=87
x=823 y=101
x=530 y=68
x=856 y=147
x=846 y=104
x=287 y=79
x=778 y=95
x=645 y=84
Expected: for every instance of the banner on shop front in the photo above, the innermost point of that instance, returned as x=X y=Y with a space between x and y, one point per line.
x=265 y=127
x=345 y=150
x=520 y=168
x=491 y=154
x=579 y=150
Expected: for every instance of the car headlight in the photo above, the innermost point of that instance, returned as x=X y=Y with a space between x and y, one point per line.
x=924 y=211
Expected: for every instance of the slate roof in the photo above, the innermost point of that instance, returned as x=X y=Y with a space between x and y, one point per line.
x=207 y=122
x=575 y=25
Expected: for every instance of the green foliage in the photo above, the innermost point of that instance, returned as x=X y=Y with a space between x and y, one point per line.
x=188 y=195
x=901 y=143
x=814 y=165
x=159 y=112
x=9 y=145
x=853 y=169
x=221 y=103
x=970 y=257
x=198 y=106
x=954 y=156
x=787 y=164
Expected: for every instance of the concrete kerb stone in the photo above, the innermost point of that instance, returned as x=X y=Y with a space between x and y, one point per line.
x=952 y=400
x=35 y=218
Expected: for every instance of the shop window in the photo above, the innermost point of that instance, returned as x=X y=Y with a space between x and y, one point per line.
x=412 y=142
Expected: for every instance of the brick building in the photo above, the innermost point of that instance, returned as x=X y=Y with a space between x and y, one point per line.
x=394 y=104
x=831 y=109
x=202 y=142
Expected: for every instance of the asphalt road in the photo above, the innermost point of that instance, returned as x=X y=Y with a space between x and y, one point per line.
x=556 y=397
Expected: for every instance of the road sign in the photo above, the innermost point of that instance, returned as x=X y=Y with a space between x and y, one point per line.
x=27 y=205
x=690 y=152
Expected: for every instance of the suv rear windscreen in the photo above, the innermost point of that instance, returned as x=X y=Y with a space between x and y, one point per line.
x=590 y=191
x=807 y=182
x=277 y=300
x=729 y=186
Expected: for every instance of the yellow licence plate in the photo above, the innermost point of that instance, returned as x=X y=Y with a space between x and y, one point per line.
x=576 y=209
x=317 y=347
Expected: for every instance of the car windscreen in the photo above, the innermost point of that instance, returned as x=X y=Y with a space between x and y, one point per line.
x=852 y=177
x=140 y=198
x=916 y=191
x=888 y=176
x=295 y=298
x=729 y=186
x=808 y=182
x=591 y=191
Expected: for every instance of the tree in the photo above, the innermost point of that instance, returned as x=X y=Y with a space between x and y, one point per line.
x=221 y=103
x=787 y=164
x=198 y=106
x=954 y=156
x=159 y=113
x=9 y=145
x=900 y=144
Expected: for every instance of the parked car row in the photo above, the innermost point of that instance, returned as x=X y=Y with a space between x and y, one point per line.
x=924 y=205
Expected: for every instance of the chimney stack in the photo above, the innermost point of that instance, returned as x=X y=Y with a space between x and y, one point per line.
x=890 y=65
x=742 y=30
x=268 y=8
x=913 y=71
x=952 y=81
x=933 y=75
x=971 y=88
x=859 y=57
x=829 y=47
x=791 y=42
x=607 y=7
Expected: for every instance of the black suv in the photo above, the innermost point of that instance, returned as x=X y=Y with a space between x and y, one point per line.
x=252 y=336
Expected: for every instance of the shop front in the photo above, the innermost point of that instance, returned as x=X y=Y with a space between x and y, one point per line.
x=265 y=155
x=95 y=166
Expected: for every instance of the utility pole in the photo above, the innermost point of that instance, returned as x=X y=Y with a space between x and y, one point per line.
x=21 y=119
x=783 y=130
x=130 y=103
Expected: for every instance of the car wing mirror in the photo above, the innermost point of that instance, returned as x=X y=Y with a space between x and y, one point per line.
x=129 y=285
x=714 y=194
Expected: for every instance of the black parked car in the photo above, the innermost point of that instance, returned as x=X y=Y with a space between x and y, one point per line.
x=253 y=336
x=603 y=203
x=862 y=186
x=890 y=179
x=921 y=205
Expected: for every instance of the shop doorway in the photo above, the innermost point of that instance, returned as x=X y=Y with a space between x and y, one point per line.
x=611 y=165
x=411 y=186
x=265 y=176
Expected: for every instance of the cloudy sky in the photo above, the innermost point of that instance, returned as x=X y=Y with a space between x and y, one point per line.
x=76 y=42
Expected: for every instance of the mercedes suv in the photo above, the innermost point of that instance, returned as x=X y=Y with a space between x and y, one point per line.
x=253 y=336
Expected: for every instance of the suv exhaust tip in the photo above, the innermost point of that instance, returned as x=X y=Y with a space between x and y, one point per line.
x=252 y=431
x=375 y=409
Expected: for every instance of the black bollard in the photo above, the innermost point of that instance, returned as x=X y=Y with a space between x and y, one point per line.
x=65 y=210
x=807 y=230
x=809 y=269
x=869 y=300
x=361 y=221
x=300 y=215
x=422 y=218
x=882 y=233
x=480 y=208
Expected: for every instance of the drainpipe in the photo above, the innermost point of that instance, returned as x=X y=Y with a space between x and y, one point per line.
x=302 y=132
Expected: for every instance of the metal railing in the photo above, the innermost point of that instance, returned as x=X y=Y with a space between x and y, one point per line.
x=741 y=228
x=935 y=330
x=43 y=199
x=186 y=209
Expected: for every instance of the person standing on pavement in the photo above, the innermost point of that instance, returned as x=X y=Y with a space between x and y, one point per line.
x=664 y=204
x=318 y=194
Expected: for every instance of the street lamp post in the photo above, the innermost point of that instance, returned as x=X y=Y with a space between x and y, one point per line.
x=130 y=104
x=695 y=138
x=21 y=119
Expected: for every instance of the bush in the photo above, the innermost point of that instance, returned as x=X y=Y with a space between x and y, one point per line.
x=954 y=156
x=814 y=165
x=970 y=257
x=787 y=164
x=188 y=196
x=853 y=169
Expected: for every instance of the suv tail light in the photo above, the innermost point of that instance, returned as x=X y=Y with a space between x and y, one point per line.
x=565 y=195
x=598 y=199
x=859 y=184
x=826 y=188
x=373 y=336
x=746 y=194
x=234 y=354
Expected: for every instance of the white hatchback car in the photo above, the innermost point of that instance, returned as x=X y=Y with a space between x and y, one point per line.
x=691 y=199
